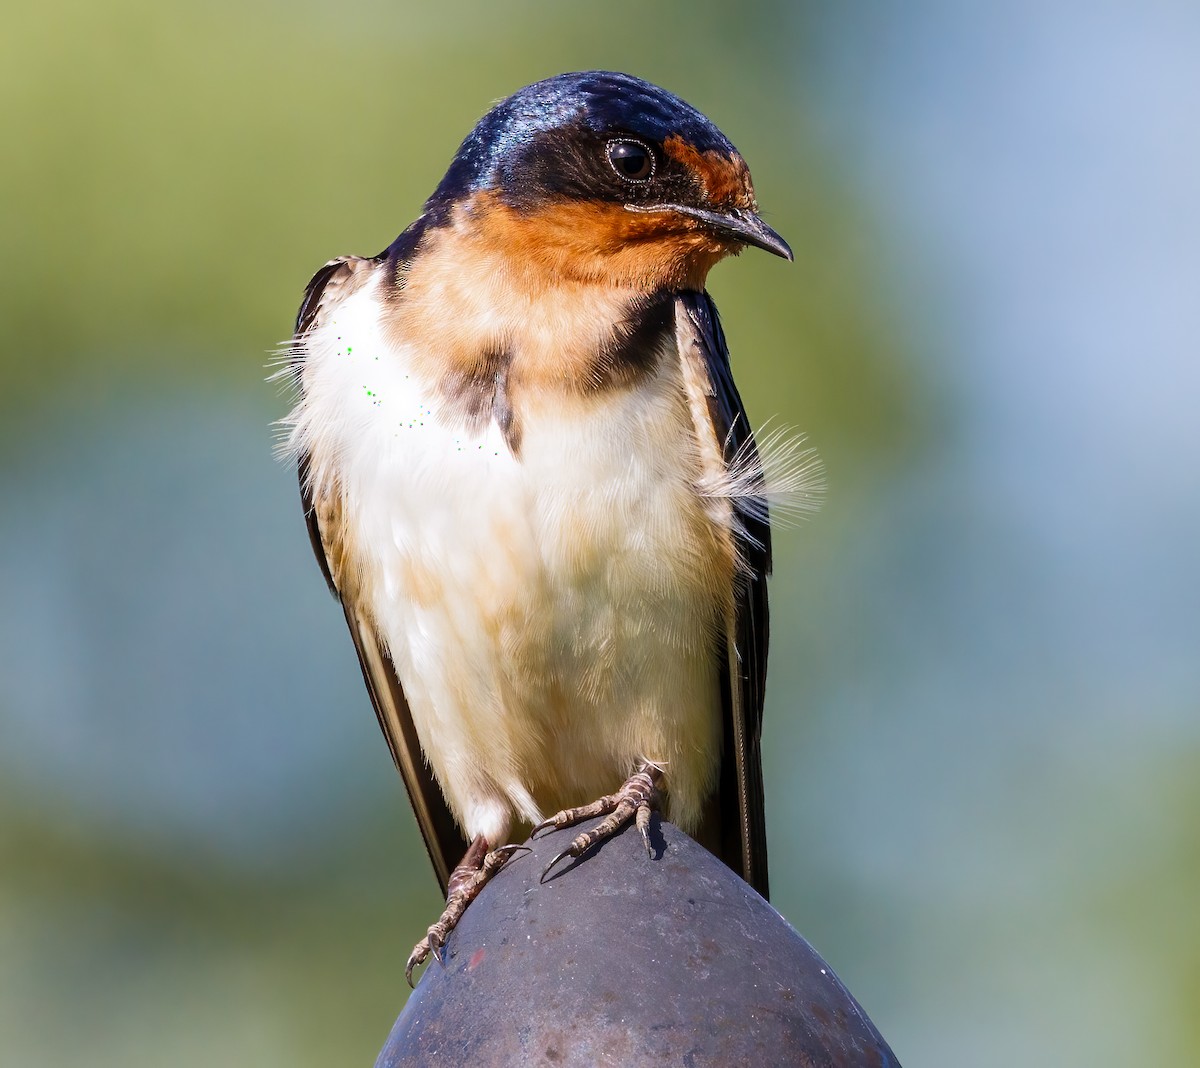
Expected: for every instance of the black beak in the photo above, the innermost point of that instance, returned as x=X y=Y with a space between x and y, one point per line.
x=742 y=226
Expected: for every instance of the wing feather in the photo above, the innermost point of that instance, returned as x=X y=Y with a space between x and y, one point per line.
x=326 y=530
x=740 y=810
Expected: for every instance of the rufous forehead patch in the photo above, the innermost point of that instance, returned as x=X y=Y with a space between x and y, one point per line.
x=726 y=179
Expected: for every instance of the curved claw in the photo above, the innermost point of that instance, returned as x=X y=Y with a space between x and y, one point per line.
x=408 y=969
x=546 y=871
x=513 y=850
x=541 y=827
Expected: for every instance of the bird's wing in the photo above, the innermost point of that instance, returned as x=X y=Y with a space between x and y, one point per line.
x=322 y=512
x=741 y=833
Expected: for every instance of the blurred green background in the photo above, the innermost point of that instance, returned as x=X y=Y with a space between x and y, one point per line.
x=983 y=741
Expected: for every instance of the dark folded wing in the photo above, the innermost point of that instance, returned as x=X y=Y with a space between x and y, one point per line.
x=742 y=832
x=322 y=506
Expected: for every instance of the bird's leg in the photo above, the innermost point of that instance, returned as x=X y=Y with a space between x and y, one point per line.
x=468 y=878
x=634 y=800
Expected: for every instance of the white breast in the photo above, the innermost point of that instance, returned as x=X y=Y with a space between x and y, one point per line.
x=551 y=615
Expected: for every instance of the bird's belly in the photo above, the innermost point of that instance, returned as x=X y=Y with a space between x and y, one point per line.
x=552 y=614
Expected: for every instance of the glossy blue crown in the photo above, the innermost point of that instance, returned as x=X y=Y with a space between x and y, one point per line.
x=605 y=102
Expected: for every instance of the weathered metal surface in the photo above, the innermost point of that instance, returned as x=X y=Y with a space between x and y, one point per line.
x=623 y=960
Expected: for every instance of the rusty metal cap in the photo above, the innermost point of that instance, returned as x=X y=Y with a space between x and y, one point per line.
x=623 y=960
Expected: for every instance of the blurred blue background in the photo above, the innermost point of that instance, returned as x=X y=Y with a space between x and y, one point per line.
x=983 y=733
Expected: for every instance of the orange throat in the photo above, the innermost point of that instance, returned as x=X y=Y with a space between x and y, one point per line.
x=590 y=241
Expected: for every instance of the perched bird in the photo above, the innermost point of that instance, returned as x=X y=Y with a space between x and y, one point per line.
x=529 y=478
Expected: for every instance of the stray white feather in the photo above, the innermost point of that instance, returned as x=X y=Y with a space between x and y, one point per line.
x=778 y=476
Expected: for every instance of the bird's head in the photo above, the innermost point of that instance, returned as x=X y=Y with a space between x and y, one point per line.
x=602 y=175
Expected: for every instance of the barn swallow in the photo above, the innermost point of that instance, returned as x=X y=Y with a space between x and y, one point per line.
x=530 y=480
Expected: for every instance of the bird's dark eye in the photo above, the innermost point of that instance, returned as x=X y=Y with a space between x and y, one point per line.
x=631 y=160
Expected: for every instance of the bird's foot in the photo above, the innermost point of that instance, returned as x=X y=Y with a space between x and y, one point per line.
x=467 y=879
x=634 y=800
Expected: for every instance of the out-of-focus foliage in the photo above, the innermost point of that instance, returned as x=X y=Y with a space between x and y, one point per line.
x=176 y=172
x=982 y=741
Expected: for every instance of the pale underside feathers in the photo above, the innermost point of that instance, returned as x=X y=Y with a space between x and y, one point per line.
x=546 y=580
